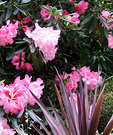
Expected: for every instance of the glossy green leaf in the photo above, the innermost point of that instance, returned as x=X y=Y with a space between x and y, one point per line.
x=1 y=112
x=105 y=24
x=22 y=11
x=10 y=55
x=8 y=12
x=20 y=48
x=2 y=2
x=19 y=114
x=33 y=116
x=86 y=20
x=105 y=32
x=91 y=24
x=25 y=1
x=14 y=121
x=35 y=61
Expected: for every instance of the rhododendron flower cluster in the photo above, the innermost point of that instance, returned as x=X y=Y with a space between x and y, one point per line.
x=4 y=127
x=91 y=78
x=7 y=33
x=81 y=7
x=14 y=97
x=45 y=39
x=87 y=76
x=23 y=65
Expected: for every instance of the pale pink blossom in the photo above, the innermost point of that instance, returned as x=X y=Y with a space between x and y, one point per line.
x=7 y=33
x=110 y=41
x=81 y=7
x=23 y=65
x=4 y=127
x=45 y=39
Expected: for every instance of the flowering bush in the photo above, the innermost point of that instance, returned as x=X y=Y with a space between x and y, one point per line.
x=35 y=36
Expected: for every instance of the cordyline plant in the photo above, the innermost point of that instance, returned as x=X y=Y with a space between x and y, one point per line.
x=79 y=120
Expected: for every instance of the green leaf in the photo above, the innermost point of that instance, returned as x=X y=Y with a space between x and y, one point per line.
x=8 y=12
x=14 y=121
x=25 y=1
x=20 y=49
x=105 y=32
x=2 y=18
x=1 y=112
x=91 y=24
x=33 y=116
x=1 y=2
x=32 y=48
x=19 y=114
x=86 y=20
x=105 y=24
x=10 y=55
x=35 y=61
x=22 y=11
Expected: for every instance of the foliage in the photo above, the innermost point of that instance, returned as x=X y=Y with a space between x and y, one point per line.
x=78 y=119
x=107 y=107
x=37 y=35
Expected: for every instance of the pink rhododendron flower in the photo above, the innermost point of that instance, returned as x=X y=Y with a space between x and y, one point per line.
x=14 y=97
x=81 y=7
x=26 y=20
x=108 y=18
x=7 y=33
x=74 y=19
x=4 y=127
x=36 y=87
x=110 y=41
x=87 y=76
x=45 y=39
x=23 y=65
x=71 y=83
x=65 y=12
x=71 y=1
x=45 y=14
x=90 y=77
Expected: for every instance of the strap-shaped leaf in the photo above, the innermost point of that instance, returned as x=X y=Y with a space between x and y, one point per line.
x=50 y=119
x=95 y=117
x=109 y=127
